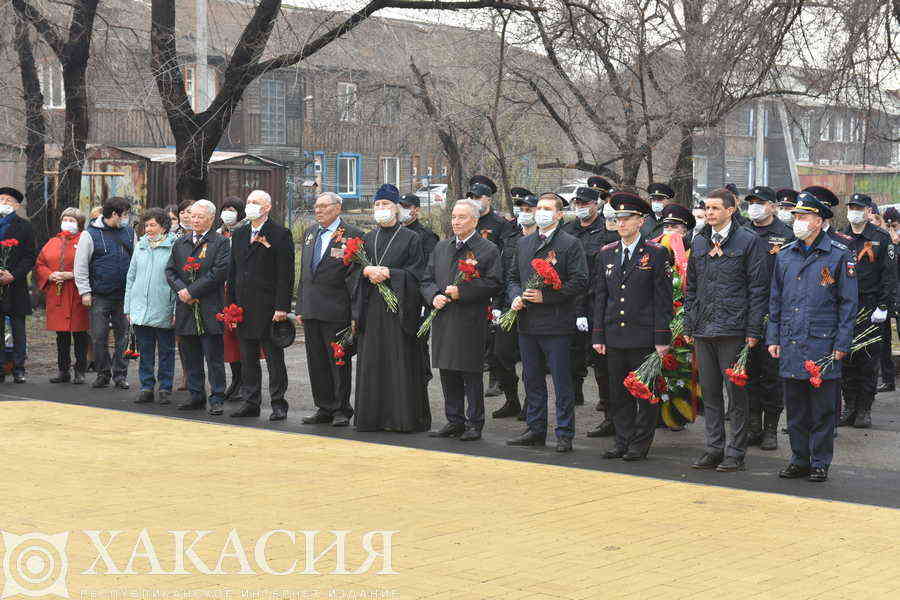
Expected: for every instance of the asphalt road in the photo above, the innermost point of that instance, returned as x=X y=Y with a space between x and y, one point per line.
x=866 y=468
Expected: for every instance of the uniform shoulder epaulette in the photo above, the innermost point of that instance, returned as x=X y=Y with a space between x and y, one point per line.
x=789 y=245
x=838 y=245
x=610 y=246
x=843 y=236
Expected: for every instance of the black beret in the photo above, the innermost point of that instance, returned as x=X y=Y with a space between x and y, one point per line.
x=660 y=189
x=599 y=183
x=761 y=192
x=823 y=194
x=283 y=333
x=891 y=214
x=519 y=192
x=586 y=194
x=808 y=203
x=862 y=200
x=678 y=215
x=786 y=196
x=410 y=200
x=479 y=185
x=11 y=191
x=626 y=203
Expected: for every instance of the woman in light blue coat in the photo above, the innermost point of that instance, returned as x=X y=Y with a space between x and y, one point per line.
x=150 y=306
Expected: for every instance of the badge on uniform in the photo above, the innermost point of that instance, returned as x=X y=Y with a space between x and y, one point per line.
x=866 y=251
x=827 y=279
x=609 y=269
x=309 y=239
x=338 y=236
x=486 y=233
x=775 y=249
x=337 y=253
x=644 y=265
x=891 y=251
x=851 y=268
x=551 y=257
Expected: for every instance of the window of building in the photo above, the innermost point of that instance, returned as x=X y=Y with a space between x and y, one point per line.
x=272 y=127
x=825 y=128
x=701 y=171
x=839 y=128
x=801 y=135
x=390 y=170
x=748 y=121
x=51 y=82
x=347 y=102
x=348 y=175
x=895 y=147
x=391 y=104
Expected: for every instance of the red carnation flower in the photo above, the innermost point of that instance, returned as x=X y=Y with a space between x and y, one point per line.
x=669 y=362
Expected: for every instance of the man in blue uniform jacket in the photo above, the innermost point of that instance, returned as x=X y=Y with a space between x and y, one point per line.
x=812 y=309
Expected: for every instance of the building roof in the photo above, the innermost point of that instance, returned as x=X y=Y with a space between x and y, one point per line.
x=852 y=169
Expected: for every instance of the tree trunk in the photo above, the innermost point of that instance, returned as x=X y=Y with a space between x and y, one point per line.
x=631 y=168
x=42 y=218
x=77 y=126
x=682 y=180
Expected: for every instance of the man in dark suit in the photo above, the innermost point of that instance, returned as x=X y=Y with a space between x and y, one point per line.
x=409 y=216
x=261 y=281
x=323 y=302
x=200 y=294
x=15 y=301
x=632 y=312
x=545 y=324
x=460 y=328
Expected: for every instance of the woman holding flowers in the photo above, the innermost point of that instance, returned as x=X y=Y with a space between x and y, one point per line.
x=390 y=365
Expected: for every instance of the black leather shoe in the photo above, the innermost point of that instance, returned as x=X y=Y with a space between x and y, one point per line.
x=613 y=453
x=246 y=410
x=216 y=409
x=145 y=397
x=61 y=377
x=340 y=421
x=635 y=455
x=818 y=474
x=793 y=471
x=886 y=387
x=604 y=429
x=19 y=378
x=101 y=382
x=233 y=391
x=191 y=405
x=507 y=410
x=316 y=419
x=564 y=445
x=731 y=464
x=529 y=438
x=165 y=397
x=707 y=461
x=279 y=413
x=863 y=419
x=78 y=379
x=470 y=435
x=122 y=384
x=448 y=430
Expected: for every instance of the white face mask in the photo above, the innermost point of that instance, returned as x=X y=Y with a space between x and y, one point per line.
x=229 y=217
x=544 y=218
x=525 y=219
x=68 y=226
x=383 y=215
x=583 y=212
x=801 y=230
x=785 y=216
x=657 y=205
x=253 y=211
x=699 y=223
x=405 y=214
x=756 y=212
x=856 y=216
x=608 y=211
x=123 y=221
x=5 y=209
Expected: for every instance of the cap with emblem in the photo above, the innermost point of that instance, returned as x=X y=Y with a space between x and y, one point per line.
x=862 y=200
x=529 y=200
x=479 y=185
x=808 y=203
x=586 y=194
x=660 y=189
x=387 y=191
x=891 y=215
x=410 y=200
x=761 y=192
x=675 y=214
x=786 y=196
x=823 y=194
x=519 y=192
x=627 y=204
x=598 y=183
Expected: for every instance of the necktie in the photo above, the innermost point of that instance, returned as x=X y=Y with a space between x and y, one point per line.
x=717 y=239
x=317 y=249
x=543 y=237
x=196 y=239
x=624 y=258
x=459 y=244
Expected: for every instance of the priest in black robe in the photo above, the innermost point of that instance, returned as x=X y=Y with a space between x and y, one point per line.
x=461 y=325
x=390 y=369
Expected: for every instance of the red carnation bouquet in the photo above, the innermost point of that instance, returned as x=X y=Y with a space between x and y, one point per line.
x=465 y=271
x=341 y=348
x=867 y=337
x=737 y=373
x=192 y=268
x=646 y=381
x=131 y=352
x=354 y=252
x=6 y=247
x=230 y=316
x=545 y=276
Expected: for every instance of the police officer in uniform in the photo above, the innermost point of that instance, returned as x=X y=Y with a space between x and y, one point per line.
x=589 y=228
x=829 y=199
x=409 y=216
x=876 y=267
x=506 y=343
x=632 y=313
x=763 y=388
x=677 y=219
x=812 y=309
x=661 y=195
x=888 y=372
x=787 y=200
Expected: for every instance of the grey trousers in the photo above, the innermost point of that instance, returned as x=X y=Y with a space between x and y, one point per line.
x=714 y=355
x=106 y=311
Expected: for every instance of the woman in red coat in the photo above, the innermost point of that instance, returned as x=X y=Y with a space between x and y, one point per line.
x=66 y=315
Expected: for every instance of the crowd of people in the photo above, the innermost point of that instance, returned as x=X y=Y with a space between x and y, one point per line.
x=676 y=310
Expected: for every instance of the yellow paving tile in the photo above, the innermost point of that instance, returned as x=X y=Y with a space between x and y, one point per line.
x=467 y=527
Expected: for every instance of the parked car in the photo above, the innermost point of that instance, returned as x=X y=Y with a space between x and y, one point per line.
x=436 y=193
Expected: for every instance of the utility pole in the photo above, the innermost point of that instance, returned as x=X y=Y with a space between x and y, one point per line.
x=760 y=160
x=789 y=144
x=201 y=69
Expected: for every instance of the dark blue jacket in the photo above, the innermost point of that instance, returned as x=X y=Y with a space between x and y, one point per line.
x=812 y=311
x=110 y=259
